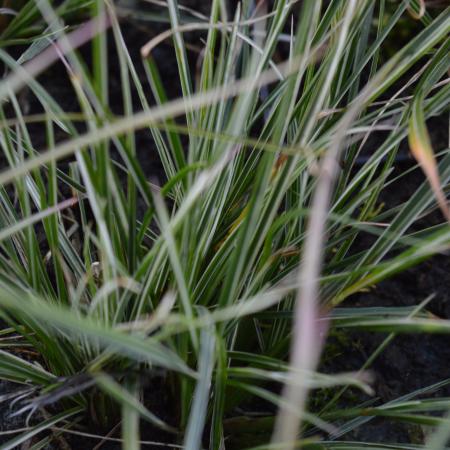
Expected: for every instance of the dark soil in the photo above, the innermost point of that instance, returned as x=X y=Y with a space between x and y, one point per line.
x=409 y=363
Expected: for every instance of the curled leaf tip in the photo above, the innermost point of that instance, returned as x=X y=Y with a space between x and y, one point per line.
x=417 y=11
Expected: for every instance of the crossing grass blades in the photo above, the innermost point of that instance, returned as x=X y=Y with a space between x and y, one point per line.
x=223 y=281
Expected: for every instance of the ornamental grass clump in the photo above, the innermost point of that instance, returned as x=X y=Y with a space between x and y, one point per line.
x=221 y=270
